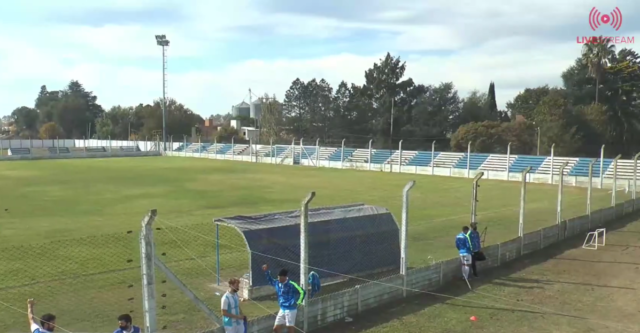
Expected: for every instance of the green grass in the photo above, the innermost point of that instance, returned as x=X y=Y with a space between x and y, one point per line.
x=64 y=234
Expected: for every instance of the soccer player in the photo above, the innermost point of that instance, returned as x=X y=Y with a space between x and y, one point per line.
x=290 y=295
x=232 y=318
x=463 y=244
x=125 y=323
x=47 y=321
x=474 y=237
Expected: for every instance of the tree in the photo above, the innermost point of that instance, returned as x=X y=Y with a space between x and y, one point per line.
x=104 y=128
x=492 y=105
x=25 y=119
x=51 y=131
x=271 y=119
x=597 y=56
x=227 y=133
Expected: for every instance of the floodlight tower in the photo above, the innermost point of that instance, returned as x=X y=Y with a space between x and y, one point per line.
x=163 y=42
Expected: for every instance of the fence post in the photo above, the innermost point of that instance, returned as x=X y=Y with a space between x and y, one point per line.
x=553 y=146
x=635 y=179
x=469 y=160
x=523 y=196
x=184 y=145
x=233 y=148
x=147 y=254
x=304 y=254
x=218 y=252
x=614 y=185
x=293 y=150
x=199 y=147
x=342 y=155
x=271 y=150
x=474 y=196
x=403 y=235
x=601 y=165
x=317 y=152
x=359 y=306
x=508 y=159
x=433 y=154
x=399 y=157
x=370 y=142
x=560 y=188
x=589 y=188
x=57 y=145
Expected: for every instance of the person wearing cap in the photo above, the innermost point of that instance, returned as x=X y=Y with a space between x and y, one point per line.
x=290 y=295
x=474 y=237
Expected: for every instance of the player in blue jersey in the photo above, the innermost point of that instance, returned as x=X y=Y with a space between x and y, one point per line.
x=474 y=237
x=290 y=295
x=47 y=321
x=463 y=244
x=125 y=323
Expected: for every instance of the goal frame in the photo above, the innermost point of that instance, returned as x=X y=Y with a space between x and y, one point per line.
x=593 y=239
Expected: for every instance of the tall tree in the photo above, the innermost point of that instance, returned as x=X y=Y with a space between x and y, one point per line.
x=597 y=56
x=492 y=105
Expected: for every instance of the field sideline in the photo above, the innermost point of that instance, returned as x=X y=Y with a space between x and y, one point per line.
x=60 y=210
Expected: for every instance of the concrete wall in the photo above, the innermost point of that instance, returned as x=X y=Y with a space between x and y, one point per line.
x=37 y=143
x=349 y=303
x=79 y=155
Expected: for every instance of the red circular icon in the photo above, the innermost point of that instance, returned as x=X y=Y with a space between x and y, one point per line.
x=605 y=19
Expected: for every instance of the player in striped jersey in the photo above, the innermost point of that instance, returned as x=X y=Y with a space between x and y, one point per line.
x=232 y=317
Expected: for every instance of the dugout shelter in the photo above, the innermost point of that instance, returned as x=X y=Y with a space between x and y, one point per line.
x=348 y=240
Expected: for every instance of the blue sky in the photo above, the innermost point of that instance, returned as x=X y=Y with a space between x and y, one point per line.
x=220 y=49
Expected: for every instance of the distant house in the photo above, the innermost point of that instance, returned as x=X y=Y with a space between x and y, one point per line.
x=209 y=128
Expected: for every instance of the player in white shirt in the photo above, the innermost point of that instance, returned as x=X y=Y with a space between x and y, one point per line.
x=232 y=317
x=47 y=321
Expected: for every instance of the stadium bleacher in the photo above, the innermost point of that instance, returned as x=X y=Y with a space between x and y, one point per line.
x=19 y=151
x=545 y=167
x=407 y=155
x=447 y=160
x=337 y=155
x=325 y=152
x=59 y=150
x=277 y=151
x=581 y=168
x=381 y=156
x=475 y=161
x=422 y=158
x=306 y=152
x=497 y=162
x=523 y=161
x=625 y=169
x=359 y=156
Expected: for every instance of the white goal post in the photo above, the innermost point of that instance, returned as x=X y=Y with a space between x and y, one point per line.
x=595 y=239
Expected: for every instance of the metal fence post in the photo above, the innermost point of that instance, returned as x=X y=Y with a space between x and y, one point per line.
x=589 y=188
x=317 y=152
x=508 y=160
x=147 y=254
x=469 y=160
x=399 y=156
x=233 y=147
x=342 y=155
x=560 y=188
x=304 y=253
x=184 y=147
x=272 y=152
x=218 y=252
x=433 y=154
x=601 y=165
x=199 y=146
x=403 y=235
x=614 y=185
x=523 y=195
x=370 y=153
x=553 y=146
x=474 y=196
x=635 y=179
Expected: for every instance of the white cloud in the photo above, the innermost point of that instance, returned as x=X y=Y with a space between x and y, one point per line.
x=107 y=58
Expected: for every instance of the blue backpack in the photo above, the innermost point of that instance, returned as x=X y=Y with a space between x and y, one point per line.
x=314 y=283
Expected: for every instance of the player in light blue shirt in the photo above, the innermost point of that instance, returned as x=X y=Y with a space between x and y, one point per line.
x=232 y=317
x=463 y=244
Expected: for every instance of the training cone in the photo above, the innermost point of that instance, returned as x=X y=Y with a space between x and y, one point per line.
x=473 y=318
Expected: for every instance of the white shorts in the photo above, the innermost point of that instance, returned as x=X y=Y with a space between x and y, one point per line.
x=234 y=329
x=466 y=259
x=286 y=318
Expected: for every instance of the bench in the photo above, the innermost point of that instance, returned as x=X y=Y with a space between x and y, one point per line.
x=19 y=151
x=59 y=150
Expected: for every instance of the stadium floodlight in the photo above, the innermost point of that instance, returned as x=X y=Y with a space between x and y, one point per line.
x=163 y=42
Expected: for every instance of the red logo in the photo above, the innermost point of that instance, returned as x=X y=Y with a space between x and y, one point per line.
x=596 y=19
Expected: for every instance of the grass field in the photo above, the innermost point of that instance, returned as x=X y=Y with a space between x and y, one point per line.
x=69 y=227
x=563 y=288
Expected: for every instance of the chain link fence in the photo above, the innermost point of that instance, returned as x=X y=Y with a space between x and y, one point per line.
x=86 y=282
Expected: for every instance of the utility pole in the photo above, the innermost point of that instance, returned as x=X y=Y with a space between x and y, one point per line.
x=163 y=42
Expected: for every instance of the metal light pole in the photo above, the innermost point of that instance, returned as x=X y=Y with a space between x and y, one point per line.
x=163 y=42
